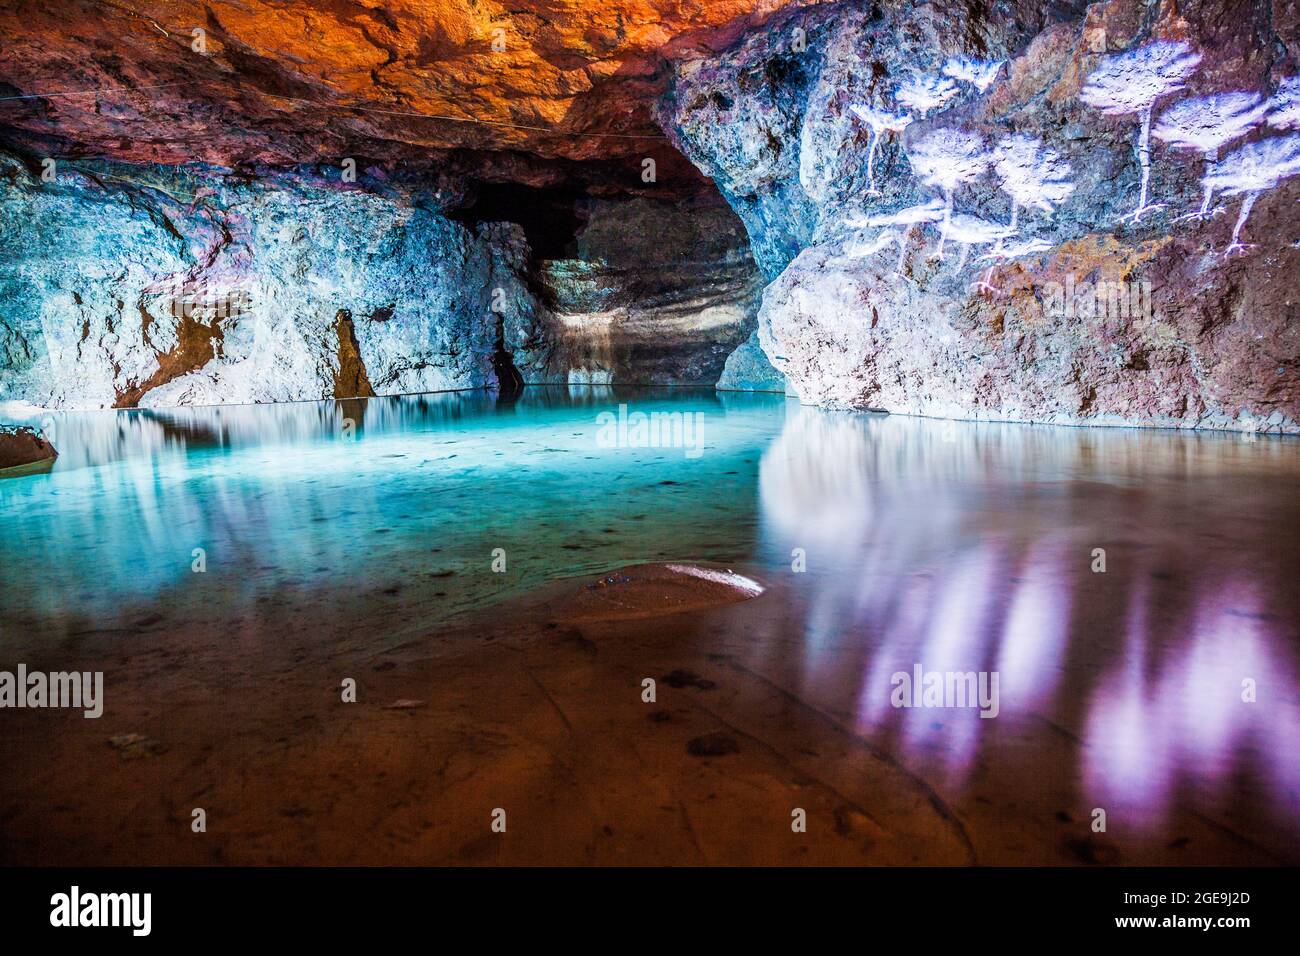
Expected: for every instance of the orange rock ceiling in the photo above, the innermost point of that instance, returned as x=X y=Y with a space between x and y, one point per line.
x=276 y=80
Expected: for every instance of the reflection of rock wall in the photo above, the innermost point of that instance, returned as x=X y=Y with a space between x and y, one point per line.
x=142 y=285
x=656 y=293
x=853 y=325
x=970 y=547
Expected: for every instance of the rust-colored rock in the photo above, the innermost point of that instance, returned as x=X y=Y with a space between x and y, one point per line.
x=298 y=81
x=22 y=450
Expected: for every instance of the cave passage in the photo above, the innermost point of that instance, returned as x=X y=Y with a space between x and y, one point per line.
x=550 y=217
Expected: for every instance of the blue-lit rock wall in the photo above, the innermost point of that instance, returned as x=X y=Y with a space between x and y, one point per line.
x=865 y=312
x=130 y=285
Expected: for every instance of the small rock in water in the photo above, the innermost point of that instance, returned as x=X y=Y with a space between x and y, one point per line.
x=23 y=450
x=135 y=746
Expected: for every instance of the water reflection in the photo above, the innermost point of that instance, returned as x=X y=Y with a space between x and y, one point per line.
x=972 y=548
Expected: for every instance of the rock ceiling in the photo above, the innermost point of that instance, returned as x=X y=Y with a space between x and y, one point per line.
x=303 y=81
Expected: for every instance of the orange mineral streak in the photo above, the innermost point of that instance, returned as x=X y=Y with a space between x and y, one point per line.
x=273 y=80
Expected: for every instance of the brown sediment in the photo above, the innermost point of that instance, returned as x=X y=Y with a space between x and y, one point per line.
x=653 y=590
x=350 y=380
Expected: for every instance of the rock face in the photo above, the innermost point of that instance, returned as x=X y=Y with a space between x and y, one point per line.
x=126 y=285
x=654 y=294
x=22 y=447
x=749 y=370
x=1099 y=320
x=279 y=203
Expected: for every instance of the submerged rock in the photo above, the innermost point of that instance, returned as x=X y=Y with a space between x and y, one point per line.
x=22 y=449
x=1087 y=312
x=652 y=590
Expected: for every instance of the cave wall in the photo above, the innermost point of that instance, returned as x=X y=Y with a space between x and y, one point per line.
x=128 y=282
x=145 y=285
x=652 y=292
x=208 y=253
x=1214 y=341
x=128 y=285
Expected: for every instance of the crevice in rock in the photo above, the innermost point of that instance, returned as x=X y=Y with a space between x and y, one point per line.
x=510 y=382
x=551 y=218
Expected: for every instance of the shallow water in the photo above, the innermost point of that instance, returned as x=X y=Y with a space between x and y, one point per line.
x=369 y=495
x=959 y=547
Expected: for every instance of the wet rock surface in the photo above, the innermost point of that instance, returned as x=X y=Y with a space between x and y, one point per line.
x=1149 y=280
x=158 y=286
x=655 y=590
x=22 y=447
x=748 y=369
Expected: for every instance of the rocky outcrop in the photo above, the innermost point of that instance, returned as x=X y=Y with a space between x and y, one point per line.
x=21 y=449
x=123 y=286
x=655 y=293
x=1081 y=315
x=749 y=370
x=279 y=207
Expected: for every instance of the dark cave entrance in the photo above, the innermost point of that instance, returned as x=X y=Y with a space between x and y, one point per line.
x=636 y=266
x=551 y=218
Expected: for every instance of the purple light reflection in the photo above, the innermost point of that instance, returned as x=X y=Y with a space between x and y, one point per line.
x=969 y=549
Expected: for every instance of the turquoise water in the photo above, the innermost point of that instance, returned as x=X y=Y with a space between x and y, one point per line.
x=370 y=495
x=898 y=541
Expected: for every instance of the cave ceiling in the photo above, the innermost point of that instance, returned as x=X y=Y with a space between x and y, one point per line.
x=533 y=91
